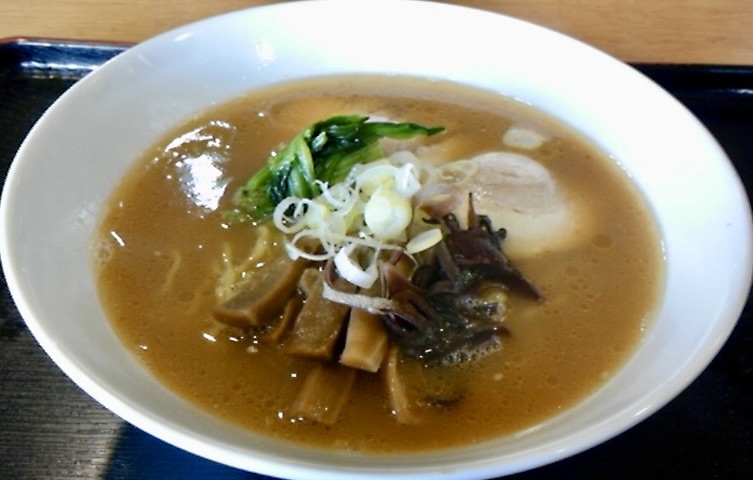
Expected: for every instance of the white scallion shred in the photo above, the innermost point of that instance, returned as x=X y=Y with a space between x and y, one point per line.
x=387 y=214
x=352 y=272
x=297 y=220
x=370 y=212
x=357 y=300
x=424 y=241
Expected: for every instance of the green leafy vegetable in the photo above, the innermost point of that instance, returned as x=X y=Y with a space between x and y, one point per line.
x=325 y=151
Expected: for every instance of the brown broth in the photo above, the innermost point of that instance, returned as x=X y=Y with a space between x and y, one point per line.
x=600 y=294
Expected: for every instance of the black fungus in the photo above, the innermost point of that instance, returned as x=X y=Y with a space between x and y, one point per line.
x=439 y=315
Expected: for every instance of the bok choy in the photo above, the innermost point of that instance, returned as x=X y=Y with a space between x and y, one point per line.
x=324 y=152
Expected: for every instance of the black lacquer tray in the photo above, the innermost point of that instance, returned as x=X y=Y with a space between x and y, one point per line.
x=49 y=428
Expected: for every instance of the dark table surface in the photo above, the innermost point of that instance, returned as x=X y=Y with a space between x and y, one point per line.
x=50 y=429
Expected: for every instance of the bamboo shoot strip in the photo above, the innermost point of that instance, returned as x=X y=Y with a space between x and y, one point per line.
x=366 y=341
x=318 y=325
x=399 y=402
x=263 y=298
x=324 y=393
x=277 y=332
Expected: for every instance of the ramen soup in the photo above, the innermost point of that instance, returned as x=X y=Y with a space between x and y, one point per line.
x=474 y=269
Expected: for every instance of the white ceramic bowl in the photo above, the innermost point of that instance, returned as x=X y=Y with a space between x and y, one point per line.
x=83 y=145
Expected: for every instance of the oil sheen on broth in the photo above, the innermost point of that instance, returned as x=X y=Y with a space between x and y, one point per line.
x=163 y=236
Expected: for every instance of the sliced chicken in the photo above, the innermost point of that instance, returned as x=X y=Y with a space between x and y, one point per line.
x=520 y=195
x=517 y=194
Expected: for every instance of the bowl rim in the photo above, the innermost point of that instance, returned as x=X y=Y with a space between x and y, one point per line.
x=218 y=452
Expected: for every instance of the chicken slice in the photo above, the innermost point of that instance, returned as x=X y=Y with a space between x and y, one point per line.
x=519 y=194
